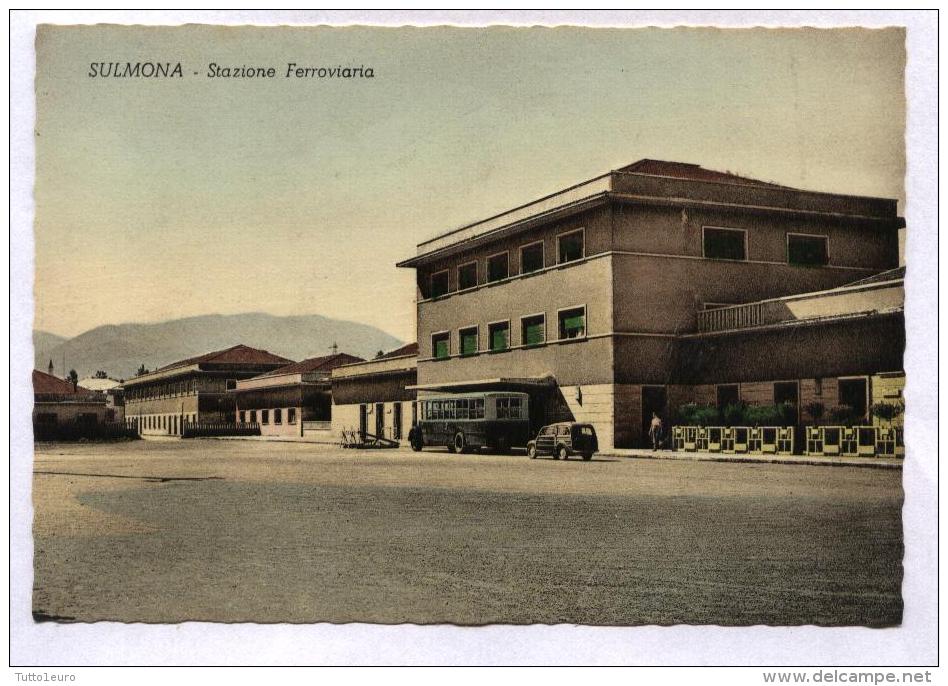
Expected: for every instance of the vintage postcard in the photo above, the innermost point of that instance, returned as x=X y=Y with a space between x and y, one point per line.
x=454 y=325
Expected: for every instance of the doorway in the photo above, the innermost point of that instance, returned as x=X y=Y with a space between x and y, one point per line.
x=379 y=419
x=654 y=399
x=855 y=394
x=363 y=420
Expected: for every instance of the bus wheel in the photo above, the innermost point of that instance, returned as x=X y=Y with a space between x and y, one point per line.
x=459 y=443
x=563 y=453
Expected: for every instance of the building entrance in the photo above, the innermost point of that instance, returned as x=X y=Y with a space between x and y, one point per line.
x=654 y=399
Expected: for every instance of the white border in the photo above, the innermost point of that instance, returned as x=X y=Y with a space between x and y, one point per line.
x=107 y=643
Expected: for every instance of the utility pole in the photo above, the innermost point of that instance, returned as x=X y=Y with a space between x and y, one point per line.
x=334 y=347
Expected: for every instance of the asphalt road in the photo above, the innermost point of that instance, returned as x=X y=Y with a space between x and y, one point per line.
x=213 y=530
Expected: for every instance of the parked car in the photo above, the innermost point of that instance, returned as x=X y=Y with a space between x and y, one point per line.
x=563 y=440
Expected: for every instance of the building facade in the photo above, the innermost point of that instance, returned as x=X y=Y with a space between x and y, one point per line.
x=585 y=298
x=194 y=390
x=64 y=411
x=376 y=397
x=291 y=401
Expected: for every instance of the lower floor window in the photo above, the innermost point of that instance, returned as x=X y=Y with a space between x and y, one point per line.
x=291 y=415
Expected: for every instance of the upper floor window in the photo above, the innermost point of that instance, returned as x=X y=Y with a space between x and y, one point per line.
x=531 y=258
x=468 y=341
x=467 y=276
x=807 y=250
x=571 y=246
x=497 y=267
x=441 y=346
x=439 y=284
x=533 y=330
x=572 y=323
x=725 y=244
x=499 y=336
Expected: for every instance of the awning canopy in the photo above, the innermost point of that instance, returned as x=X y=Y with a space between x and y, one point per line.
x=498 y=384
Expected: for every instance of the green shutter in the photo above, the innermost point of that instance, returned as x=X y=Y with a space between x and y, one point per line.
x=574 y=325
x=441 y=348
x=498 y=338
x=469 y=343
x=533 y=333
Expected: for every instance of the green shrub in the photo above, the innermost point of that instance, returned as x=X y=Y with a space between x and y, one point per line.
x=733 y=414
x=815 y=410
x=762 y=415
x=887 y=411
x=842 y=415
x=788 y=414
x=692 y=414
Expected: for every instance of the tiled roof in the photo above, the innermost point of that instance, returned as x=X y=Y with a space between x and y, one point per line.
x=315 y=364
x=237 y=354
x=404 y=351
x=46 y=384
x=692 y=172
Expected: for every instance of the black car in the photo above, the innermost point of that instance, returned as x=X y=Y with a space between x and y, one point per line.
x=564 y=439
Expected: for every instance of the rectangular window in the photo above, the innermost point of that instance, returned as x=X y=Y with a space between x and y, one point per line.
x=807 y=250
x=467 y=276
x=499 y=335
x=278 y=416
x=728 y=394
x=785 y=392
x=572 y=323
x=253 y=416
x=439 y=284
x=291 y=415
x=497 y=267
x=264 y=416
x=571 y=246
x=725 y=244
x=243 y=417
x=533 y=330
x=853 y=393
x=468 y=341
x=531 y=258
x=441 y=346
x=229 y=385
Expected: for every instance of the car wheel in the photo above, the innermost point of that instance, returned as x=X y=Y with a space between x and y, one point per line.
x=562 y=453
x=532 y=451
x=417 y=443
x=459 y=443
x=587 y=456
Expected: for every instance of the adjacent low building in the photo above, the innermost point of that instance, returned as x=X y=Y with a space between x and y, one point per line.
x=62 y=410
x=292 y=401
x=194 y=390
x=376 y=397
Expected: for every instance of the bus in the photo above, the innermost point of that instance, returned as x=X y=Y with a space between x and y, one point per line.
x=469 y=421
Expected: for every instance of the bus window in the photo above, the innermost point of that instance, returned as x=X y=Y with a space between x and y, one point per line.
x=477 y=408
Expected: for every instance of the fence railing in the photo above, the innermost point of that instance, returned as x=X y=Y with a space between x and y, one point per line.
x=731 y=317
x=209 y=429
x=824 y=441
x=76 y=431
x=317 y=426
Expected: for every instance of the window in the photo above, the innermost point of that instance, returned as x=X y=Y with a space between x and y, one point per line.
x=291 y=415
x=572 y=323
x=439 y=284
x=509 y=408
x=253 y=416
x=278 y=416
x=571 y=246
x=499 y=336
x=467 y=276
x=728 y=394
x=785 y=392
x=497 y=267
x=441 y=346
x=531 y=258
x=725 y=244
x=852 y=392
x=807 y=250
x=230 y=384
x=264 y=416
x=468 y=341
x=533 y=330
x=243 y=417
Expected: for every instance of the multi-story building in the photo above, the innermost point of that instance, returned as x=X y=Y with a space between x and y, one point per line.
x=291 y=401
x=63 y=410
x=193 y=390
x=585 y=298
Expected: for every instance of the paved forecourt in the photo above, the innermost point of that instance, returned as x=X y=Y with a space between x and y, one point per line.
x=164 y=531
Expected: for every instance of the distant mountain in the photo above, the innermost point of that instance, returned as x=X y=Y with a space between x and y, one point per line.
x=120 y=349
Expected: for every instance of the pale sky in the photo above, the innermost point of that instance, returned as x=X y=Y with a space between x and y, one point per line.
x=165 y=198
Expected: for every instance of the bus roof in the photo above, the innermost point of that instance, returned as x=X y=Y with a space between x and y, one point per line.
x=482 y=394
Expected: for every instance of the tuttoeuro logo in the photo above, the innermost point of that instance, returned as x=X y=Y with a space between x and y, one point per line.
x=43 y=676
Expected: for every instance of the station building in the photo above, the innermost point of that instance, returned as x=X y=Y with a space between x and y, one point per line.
x=292 y=401
x=376 y=397
x=61 y=409
x=194 y=390
x=599 y=300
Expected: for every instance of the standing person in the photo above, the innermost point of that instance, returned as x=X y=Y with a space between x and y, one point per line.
x=655 y=431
